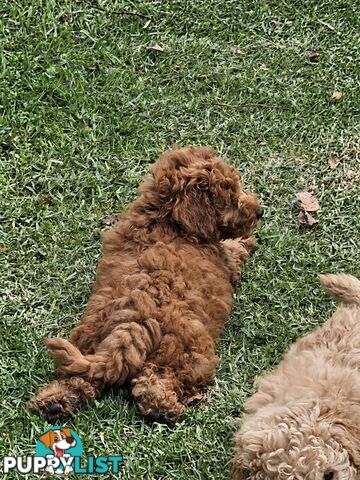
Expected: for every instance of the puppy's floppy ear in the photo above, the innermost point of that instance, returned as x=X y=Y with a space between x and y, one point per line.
x=248 y=447
x=261 y=439
x=347 y=433
x=344 y=419
x=166 y=171
x=182 y=179
x=48 y=438
x=237 y=472
x=254 y=443
x=195 y=213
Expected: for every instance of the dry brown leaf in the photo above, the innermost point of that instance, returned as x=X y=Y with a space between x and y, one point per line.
x=336 y=95
x=333 y=161
x=157 y=48
x=240 y=53
x=308 y=202
x=195 y=397
x=313 y=56
x=306 y=219
x=45 y=200
x=263 y=66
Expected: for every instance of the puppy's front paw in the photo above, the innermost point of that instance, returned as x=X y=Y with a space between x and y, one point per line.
x=164 y=415
x=248 y=243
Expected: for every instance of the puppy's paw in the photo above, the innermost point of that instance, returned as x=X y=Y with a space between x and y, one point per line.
x=248 y=243
x=156 y=392
x=165 y=415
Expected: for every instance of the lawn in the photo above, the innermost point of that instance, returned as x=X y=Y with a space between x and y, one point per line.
x=90 y=96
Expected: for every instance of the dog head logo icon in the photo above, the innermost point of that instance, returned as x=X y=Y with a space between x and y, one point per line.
x=59 y=445
x=58 y=441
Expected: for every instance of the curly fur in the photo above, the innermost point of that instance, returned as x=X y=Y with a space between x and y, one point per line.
x=163 y=290
x=303 y=422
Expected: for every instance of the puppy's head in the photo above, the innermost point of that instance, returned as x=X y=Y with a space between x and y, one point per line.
x=298 y=443
x=202 y=195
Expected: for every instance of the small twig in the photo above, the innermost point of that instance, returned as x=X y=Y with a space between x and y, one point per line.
x=252 y=105
x=330 y=27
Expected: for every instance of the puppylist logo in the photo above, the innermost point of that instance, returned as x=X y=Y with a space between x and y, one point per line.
x=59 y=451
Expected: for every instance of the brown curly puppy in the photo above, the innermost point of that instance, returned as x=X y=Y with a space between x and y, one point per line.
x=304 y=420
x=163 y=290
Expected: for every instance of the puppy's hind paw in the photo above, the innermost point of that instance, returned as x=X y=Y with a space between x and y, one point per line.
x=156 y=393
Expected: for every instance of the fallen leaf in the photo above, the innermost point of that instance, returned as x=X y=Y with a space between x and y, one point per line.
x=306 y=219
x=240 y=53
x=45 y=200
x=109 y=220
x=333 y=161
x=308 y=202
x=313 y=56
x=263 y=66
x=157 y=48
x=195 y=397
x=336 y=95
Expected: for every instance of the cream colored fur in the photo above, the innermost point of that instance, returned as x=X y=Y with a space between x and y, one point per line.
x=303 y=422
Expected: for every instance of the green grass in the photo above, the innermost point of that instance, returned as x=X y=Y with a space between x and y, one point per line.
x=86 y=106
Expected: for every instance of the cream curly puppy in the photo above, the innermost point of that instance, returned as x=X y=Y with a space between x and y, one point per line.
x=303 y=422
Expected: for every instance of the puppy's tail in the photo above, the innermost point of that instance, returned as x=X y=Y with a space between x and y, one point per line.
x=345 y=288
x=118 y=358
